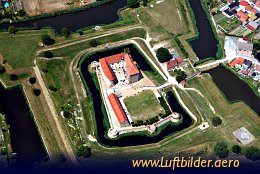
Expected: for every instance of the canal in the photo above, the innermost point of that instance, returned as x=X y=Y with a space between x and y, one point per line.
x=205 y=45
x=104 y=14
x=234 y=88
x=97 y=101
x=25 y=139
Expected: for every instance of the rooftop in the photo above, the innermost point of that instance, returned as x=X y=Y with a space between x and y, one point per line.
x=117 y=108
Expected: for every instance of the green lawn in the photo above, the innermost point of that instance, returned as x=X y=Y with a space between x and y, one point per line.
x=72 y=50
x=143 y=106
x=58 y=76
x=19 y=50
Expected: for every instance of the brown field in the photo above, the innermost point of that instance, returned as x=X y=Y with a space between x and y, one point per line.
x=36 y=7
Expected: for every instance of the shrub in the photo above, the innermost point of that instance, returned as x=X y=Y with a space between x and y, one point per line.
x=36 y=92
x=221 y=150
x=216 y=121
x=48 y=54
x=53 y=88
x=45 y=70
x=47 y=40
x=13 y=77
x=2 y=69
x=32 y=80
x=252 y=153
x=94 y=43
x=163 y=55
x=236 y=149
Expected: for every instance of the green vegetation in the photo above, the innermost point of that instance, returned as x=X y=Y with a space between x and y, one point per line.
x=163 y=55
x=72 y=50
x=36 y=92
x=2 y=69
x=11 y=30
x=236 y=149
x=180 y=75
x=32 y=80
x=65 y=32
x=252 y=153
x=221 y=149
x=143 y=105
x=216 y=121
x=48 y=54
x=94 y=43
x=133 y=3
x=19 y=50
x=47 y=40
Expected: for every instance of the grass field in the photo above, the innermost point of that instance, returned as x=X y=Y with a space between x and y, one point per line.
x=168 y=15
x=19 y=49
x=72 y=50
x=143 y=106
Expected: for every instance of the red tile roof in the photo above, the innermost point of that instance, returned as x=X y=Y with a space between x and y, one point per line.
x=179 y=60
x=251 y=27
x=239 y=61
x=107 y=70
x=233 y=63
x=131 y=68
x=242 y=16
x=249 y=8
x=114 y=59
x=117 y=108
x=243 y=3
x=171 y=64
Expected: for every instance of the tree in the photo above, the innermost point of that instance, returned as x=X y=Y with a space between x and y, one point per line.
x=36 y=92
x=236 y=149
x=94 y=43
x=145 y=2
x=47 y=40
x=81 y=33
x=48 y=54
x=53 y=88
x=252 y=153
x=163 y=55
x=180 y=75
x=13 y=77
x=21 y=13
x=133 y=3
x=2 y=69
x=84 y=151
x=32 y=80
x=65 y=32
x=216 y=121
x=221 y=150
x=11 y=30
x=127 y=50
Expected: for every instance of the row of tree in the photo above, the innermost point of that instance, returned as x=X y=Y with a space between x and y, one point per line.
x=222 y=151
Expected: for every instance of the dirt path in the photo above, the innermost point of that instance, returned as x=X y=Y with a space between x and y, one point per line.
x=107 y=33
x=54 y=115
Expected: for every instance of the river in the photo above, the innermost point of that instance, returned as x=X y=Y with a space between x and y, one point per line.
x=104 y=14
x=25 y=138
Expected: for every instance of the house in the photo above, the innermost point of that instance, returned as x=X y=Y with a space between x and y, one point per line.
x=231 y=9
x=118 y=110
x=244 y=49
x=119 y=68
x=239 y=61
x=252 y=25
x=247 y=64
x=242 y=16
x=173 y=62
